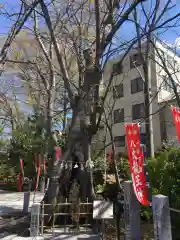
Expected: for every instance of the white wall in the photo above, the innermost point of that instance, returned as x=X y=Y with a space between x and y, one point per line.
x=170 y=130
x=163 y=94
x=129 y=99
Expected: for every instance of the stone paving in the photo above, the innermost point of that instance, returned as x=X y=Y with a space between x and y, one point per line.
x=13 y=201
x=56 y=237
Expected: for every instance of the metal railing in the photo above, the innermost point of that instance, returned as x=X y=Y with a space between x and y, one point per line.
x=71 y=213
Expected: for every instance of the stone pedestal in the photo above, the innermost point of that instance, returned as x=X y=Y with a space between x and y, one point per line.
x=26 y=202
x=35 y=215
x=161 y=217
x=131 y=213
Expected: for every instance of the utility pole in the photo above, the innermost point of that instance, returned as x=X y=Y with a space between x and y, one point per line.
x=151 y=131
x=146 y=78
x=148 y=106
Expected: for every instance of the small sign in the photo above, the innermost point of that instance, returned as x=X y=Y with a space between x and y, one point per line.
x=102 y=209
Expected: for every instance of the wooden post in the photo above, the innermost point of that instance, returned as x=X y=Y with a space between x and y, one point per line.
x=47 y=185
x=161 y=217
x=42 y=185
x=131 y=213
x=42 y=219
x=35 y=215
x=26 y=202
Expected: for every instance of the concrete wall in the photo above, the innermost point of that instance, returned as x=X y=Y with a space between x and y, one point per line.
x=170 y=135
x=129 y=99
x=160 y=72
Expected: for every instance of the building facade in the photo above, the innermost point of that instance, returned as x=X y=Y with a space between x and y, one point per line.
x=126 y=97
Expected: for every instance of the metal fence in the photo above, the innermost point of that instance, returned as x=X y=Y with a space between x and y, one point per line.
x=77 y=217
x=71 y=217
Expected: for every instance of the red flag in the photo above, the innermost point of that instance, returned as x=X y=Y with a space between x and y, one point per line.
x=35 y=161
x=176 y=116
x=21 y=163
x=110 y=157
x=58 y=153
x=19 y=183
x=39 y=165
x=136 y=160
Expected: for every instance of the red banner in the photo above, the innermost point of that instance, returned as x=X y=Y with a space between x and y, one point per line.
x=176 y=116
x=21 y=163
x=109 y=157
x=58 y=153
x=136 y=160
x=39 y=166
x=19 y=183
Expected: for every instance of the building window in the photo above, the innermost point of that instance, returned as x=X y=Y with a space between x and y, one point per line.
x=118 y=115
x=138 y=111
x=119 y=141
x=137 y=85
x=117 y=68
x=135 y=60
x=118 y=91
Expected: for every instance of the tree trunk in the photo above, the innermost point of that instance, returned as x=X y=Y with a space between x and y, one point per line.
x=79 y=144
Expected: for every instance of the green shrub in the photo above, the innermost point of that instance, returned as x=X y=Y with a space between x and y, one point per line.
x=164 y=173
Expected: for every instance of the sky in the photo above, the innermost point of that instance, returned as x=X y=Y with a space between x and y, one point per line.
x=169 y=35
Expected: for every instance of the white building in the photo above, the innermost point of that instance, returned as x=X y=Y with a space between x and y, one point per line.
x=126 y=97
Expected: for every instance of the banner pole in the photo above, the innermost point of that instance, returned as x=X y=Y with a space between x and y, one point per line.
x=143 y=146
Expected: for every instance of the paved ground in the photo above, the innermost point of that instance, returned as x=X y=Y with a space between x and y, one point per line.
x=55 y=237
x=13 y=201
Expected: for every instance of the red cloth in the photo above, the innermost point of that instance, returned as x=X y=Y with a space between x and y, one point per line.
x=110 y=157
x=21 y=163
x=19 y=183
x=136 y=160
x=176 y=117
x=58 y=153
x=39 y=166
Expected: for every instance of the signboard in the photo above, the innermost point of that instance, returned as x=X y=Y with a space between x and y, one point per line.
x=102 y=209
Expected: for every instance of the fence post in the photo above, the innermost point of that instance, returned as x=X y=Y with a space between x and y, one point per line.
x=26 y=202
x=131 y=213
x=42 y=185
x=161 y=217
x=47 y=184
x=35 y=215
